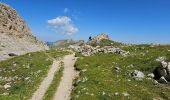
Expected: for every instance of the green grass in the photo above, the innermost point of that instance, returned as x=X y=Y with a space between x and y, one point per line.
x=100 y=82
x=57 y=53
x=53 y=87
x=25 y=73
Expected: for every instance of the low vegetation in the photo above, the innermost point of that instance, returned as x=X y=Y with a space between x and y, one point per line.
x=53 y=87
x=21 y=76
x=59 y=53
x=99 y=81
x=109 y=43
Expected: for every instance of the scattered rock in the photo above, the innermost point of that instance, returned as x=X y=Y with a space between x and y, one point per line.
x=151 y=75
x=6 y=86
x=137 y=75
x=116 y=94
x=103 y=93
x=5 y=94
x=163 y=80
x=92 y=94
x=84 y=70
x=116 y=69
x=155 y=82
x=125 y=94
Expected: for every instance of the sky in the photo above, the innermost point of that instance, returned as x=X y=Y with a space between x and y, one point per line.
x=129 y=21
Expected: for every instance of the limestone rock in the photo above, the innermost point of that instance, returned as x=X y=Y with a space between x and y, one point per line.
x=137 y=75
x=151 y=75
x=15 y=36
x=162 y=72
x=7 y=86
x=164 y=64
x=98 y=38
x=163 y=80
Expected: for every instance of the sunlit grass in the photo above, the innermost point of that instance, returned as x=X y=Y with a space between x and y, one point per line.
x=98 y=81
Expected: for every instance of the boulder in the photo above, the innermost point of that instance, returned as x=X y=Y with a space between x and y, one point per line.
x=159 y=72
x=168 y=68
x=137 y=75
x=164 y=64
x=151 y=75
x=162 y=72
x=163 y=80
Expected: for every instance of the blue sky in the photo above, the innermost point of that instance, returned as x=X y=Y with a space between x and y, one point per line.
x=130 y=21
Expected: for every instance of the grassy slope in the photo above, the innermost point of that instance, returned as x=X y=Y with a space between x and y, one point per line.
x=27 y=71
x=102 y=83
x=53 y=87
x=57 y=54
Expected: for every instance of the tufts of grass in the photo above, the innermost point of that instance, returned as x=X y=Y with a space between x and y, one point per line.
x=23 y=74
x=57 y=53
x=53 y=87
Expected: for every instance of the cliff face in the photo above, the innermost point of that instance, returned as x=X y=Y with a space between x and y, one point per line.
x=15 y=36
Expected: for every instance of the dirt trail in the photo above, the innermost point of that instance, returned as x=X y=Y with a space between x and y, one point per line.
x=38 y=95
x=65 y=86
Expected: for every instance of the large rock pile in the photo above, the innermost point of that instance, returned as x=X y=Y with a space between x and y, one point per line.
x=15 y=36
x=162 y=73
x=87 y=50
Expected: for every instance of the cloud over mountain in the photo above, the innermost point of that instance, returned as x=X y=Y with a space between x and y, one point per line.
x=62 y=24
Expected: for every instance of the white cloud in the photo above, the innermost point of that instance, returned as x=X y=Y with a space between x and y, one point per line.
x=66 y=10
x=62 y=24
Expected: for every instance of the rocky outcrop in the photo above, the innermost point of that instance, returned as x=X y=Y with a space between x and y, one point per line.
x=162 y=72
x=100 y=37
x=97 y=39
x=15 y=36
x=87 y=50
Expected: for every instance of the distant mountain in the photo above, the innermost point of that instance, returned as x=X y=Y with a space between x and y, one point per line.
x=15 y=36
x=64 y=43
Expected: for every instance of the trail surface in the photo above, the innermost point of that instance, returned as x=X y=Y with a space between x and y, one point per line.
x=39 y=93
x=69 y=74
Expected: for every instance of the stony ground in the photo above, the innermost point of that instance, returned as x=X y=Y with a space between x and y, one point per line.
x=109 y=76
